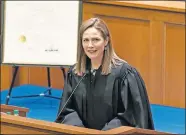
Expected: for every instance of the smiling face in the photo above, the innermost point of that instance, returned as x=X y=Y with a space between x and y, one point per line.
x=93 y=43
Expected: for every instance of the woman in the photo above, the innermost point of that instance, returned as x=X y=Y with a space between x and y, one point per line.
x=111 y=94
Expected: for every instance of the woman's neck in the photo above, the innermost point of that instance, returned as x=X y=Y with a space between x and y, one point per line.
x=95 y=64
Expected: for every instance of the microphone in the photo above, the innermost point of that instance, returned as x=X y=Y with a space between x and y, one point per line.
x=72 y=94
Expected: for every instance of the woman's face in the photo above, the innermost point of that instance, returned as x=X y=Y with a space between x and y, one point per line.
x=93 y=43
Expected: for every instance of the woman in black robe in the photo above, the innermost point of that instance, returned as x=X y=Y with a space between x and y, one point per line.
x=109 y=93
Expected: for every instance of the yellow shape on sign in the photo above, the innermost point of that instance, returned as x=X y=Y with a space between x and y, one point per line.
x=22 y=39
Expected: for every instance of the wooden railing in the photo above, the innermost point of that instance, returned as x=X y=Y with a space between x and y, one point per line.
x=10 y=108
x=21 y=125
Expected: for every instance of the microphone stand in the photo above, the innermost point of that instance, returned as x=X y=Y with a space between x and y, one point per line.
x=71 y=95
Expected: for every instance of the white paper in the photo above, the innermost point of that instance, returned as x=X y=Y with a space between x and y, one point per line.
x=49 y=27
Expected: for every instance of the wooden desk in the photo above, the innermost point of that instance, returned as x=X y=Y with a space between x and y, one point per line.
x=130 y=130
x=21 y=125
x=9 y=108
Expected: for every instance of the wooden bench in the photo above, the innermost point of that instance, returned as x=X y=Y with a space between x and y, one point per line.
x=10 y=108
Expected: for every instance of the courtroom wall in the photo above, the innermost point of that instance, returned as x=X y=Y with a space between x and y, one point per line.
x=152 y=40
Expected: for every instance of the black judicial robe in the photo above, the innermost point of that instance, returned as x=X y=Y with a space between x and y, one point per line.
x=107 y=101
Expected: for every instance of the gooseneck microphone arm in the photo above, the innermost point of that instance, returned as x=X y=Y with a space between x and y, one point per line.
x=71 y=94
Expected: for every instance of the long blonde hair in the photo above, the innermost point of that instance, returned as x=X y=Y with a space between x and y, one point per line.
x=109 y=57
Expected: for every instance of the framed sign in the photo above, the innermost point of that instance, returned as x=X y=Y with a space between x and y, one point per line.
x=40 y=32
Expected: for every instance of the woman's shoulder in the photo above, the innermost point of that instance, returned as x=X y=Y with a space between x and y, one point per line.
x=71 y=69
x=122 y=69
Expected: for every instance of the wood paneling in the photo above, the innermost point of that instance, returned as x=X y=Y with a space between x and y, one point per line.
x=7 y=72
x=132 y=12
x=174 y=60
x=22 y=76
x=57 y=78
x=6 y=76
x=131 y=41
x=175 y=6
x=32 y=75
x=155 y=62
x=38 y=76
